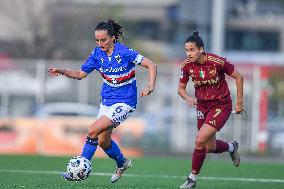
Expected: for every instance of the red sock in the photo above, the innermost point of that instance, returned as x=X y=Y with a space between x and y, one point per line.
x=221 y=146
x=197 y=160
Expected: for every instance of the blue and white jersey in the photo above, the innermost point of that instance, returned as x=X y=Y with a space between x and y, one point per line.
x=118 y=72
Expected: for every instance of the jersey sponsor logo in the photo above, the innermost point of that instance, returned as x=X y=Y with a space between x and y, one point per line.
x=113 y=70
x=121 y=117
x=206 y=82
x=200 y=115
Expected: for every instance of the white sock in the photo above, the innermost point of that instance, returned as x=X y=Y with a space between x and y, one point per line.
x=192 y=176
x=231 y=147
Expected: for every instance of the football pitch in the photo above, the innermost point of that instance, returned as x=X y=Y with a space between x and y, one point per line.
x=155 y=172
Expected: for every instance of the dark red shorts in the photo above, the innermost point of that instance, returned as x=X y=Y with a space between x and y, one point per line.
x=215 y=116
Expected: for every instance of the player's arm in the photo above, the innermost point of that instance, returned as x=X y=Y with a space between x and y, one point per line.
x=74 y=74
x=152 y=73
x=86 y=68
x=182 y=92
x=239 y=83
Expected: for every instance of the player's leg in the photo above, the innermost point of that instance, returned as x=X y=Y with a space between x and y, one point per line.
x=219 y=146
x=191 y=178
x=216 y=146
x=234 y=153
x=222 y=146
x=211 y=145
x=99 y=126
x=118 y=113
x=111 y=148
x=91 y=143
x=217 y=118
x=205 y=134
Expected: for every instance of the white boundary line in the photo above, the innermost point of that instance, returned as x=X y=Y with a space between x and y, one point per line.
x=151 y=176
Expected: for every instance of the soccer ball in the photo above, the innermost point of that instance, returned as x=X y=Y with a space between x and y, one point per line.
x=79 y=168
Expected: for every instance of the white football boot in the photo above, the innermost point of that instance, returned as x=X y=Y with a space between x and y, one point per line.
x=189 y=183
x=119 y=171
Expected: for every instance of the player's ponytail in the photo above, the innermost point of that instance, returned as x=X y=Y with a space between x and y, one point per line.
x=117 y=29
x=195 y=33
x=195 y=38
x=113 y=28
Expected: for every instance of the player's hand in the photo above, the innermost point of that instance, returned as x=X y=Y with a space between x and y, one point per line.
x=148 y=90
x=191 y=101
x=239 y=109
x=53 y=72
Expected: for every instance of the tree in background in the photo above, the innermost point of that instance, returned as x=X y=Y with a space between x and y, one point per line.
x=25 y=24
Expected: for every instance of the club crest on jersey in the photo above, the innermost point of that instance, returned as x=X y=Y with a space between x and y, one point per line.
x=202 y=74
x=212 y=72
x=117 y=58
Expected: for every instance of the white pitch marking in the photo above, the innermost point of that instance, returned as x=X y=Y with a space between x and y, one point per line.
x=152 y=176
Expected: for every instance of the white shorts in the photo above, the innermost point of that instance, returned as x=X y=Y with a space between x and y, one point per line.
x=117 y=113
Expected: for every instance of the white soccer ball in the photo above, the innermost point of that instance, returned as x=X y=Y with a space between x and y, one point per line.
x=79 y=168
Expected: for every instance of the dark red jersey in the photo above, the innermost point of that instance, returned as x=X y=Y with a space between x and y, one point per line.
x=208 y=78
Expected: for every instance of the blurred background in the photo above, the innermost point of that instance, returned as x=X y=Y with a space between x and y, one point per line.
x=50 y=116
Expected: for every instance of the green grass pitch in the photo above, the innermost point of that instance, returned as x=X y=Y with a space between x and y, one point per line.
x=156 y=172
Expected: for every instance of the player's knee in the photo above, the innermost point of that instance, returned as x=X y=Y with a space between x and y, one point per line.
x=92 y=132
x=199 y=142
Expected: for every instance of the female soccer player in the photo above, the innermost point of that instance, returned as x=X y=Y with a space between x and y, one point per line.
x=116 y=64
x=213 y=102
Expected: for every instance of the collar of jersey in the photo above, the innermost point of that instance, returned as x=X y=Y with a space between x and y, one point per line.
x=114 y=48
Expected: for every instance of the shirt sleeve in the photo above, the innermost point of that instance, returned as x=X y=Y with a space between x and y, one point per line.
x=184 y=76
x=134 y=56
x=90 y=63
x=228 y=68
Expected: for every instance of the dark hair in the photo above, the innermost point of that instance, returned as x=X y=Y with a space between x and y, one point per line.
x=194 y=38
x=113 y=28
